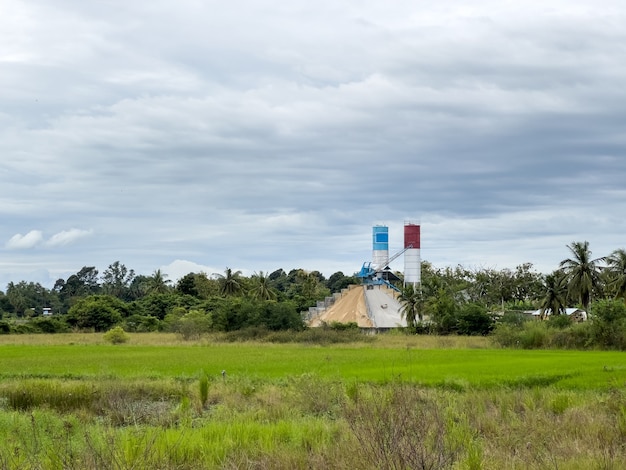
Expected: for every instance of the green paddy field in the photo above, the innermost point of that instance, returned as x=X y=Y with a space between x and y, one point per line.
x=73 y=401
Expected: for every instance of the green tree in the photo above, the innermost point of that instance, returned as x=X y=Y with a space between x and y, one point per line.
x=442 y=309
x=230 y=282
x=261 y=287
x=198 y=285
x=116 y=280
x=98 y=312
x=158 y=305
x=554 y=299
x=616 y=263
x=582 y=272
x=411 y=300
x=473 y=319
x=528 y=283
x=187 y=285
x=306 y=287
x=281 y=316
x=84 y=282
x=338 y=281
x=158 y=283
x=29 y=298
x=608 y=324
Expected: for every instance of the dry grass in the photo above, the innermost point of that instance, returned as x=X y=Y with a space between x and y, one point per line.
x=388 y=340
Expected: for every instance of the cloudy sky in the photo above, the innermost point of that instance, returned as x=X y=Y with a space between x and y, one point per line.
x=194 y=135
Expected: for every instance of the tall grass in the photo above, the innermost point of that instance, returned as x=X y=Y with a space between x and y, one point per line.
x=294 y=406
x=281 y=424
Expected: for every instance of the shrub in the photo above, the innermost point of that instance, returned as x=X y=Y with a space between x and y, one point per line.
x=335 y=325
x=193 y=325
x=50 y=325
x=402 y=428
x=608 y=324
x=513 y=318
x=559 y=321
x=141 y=323
x=473 y=319
x=534 y=335
x=506 y=335
x=116 y=335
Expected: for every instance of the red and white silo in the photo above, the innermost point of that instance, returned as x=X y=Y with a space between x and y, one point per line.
x=412 y=260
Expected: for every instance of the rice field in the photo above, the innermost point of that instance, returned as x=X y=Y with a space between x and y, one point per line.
x=396 y=402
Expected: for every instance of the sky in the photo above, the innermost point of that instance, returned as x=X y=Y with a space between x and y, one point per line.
x=192 y=136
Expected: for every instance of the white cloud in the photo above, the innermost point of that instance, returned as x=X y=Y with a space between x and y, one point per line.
x=67 y=236
x=23 y=242
x=179 y=268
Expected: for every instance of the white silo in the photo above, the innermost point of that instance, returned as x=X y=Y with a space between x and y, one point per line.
x=412 y=257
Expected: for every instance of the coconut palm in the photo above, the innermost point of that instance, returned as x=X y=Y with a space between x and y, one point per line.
x=261 y=289
x=411 y=299
x=616 y=263
x=555 y=294
x=583 y=273
x=158 y=282
x=230 y=282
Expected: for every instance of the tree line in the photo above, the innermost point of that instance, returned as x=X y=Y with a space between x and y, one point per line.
x=88 y=300
x=451 y=299
x=458 y=300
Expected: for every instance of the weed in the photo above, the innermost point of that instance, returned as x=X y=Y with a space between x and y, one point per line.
x=398 y=427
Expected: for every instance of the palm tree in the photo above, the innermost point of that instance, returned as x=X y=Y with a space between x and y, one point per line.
x=583 y=273
x=158 y=283
x=261 y=289
x=555 y=297
x=616 y=262
x=230 y=283
x=411 y=299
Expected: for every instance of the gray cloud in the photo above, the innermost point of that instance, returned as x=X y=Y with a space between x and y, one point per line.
x=265 y=136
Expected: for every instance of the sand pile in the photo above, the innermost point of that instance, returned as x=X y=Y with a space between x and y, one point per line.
x=349 y=308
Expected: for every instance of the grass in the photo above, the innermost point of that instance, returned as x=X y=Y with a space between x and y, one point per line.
x=73 y=401
x=429 y=367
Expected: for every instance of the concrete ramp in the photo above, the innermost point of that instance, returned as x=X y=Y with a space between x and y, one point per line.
x=384 y=308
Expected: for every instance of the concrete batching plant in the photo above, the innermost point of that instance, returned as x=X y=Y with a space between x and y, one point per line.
x=377 y=271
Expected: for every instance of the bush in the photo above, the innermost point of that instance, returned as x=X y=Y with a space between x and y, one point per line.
x=473 y=319
x=192 y=325
x=608 y=324
x=116 y=335
x=506 y=335
x=50 y=325
x=513 y=318
x=338 y=326
x=534 y=335
x=559 y=321
x=531 y=335
x=142 y=323
x=5 y=328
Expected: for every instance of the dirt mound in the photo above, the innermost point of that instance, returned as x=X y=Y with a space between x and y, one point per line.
x=350 y=307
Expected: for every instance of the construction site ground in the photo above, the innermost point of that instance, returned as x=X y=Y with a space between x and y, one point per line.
x=352 y=306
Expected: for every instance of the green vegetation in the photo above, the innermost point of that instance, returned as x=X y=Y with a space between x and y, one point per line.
x=116 y=335
x=388 y=402
x=272 y=307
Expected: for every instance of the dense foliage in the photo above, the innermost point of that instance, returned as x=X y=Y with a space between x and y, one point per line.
x=197 y=303
x=450 y=300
